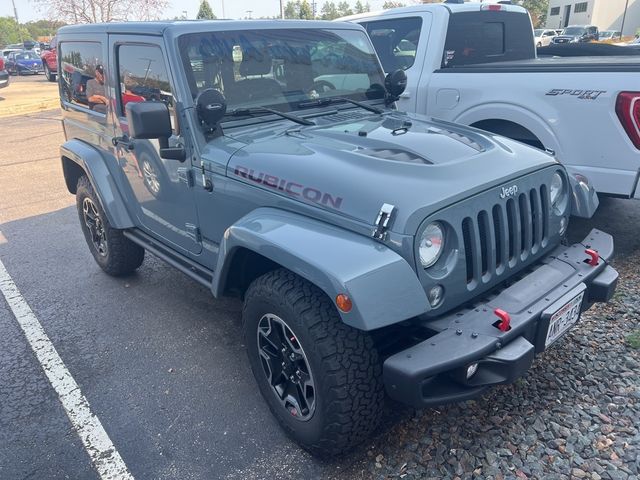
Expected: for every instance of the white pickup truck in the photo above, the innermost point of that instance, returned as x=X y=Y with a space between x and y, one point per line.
x=476 y=64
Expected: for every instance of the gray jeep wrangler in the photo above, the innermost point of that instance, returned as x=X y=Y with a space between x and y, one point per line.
x=375 y=251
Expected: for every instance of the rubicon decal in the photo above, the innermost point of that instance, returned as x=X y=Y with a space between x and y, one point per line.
x=289 y=187
x=581 y=94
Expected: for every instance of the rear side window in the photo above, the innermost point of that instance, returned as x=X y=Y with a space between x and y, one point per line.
x=395 y=41
x=143 y=76
x=487 y=36
x=82 y=76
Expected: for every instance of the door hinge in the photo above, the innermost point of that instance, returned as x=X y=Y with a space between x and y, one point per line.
x=382 y=222
x=193 y=232
x=185 y=175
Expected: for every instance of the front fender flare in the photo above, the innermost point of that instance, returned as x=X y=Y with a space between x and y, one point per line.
x=382 y=286
x=95 y=166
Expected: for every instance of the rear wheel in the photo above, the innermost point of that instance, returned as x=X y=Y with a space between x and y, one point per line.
x=112 y=251
x=321 y=379
x=47 y=72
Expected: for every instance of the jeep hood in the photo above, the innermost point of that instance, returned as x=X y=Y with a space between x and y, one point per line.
x=352 y=168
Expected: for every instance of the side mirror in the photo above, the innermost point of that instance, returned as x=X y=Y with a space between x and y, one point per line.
x=395 y=83
x=148 y=120
x=211 y=106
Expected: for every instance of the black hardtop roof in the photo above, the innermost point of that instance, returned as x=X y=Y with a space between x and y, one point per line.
x=178 y=27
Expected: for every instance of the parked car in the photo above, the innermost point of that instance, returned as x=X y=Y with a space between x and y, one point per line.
x=578 y=34
x=610 y=35
x=476 y=64
x=374 y=250
x=4 y=75
x=23 y=63
x=543 y=37
x=50 y=61
x=7 y=51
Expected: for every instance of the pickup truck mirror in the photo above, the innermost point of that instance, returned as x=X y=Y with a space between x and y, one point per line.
x=395 y=83
x=211 y=106
x=148 y=120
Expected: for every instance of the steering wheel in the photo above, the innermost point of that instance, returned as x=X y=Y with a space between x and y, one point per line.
x=322 y=86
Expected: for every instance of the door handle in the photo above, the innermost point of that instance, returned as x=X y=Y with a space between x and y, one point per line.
x=124 y=141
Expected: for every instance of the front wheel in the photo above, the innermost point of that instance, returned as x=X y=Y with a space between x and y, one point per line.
x=321 y=379
x=112 y=251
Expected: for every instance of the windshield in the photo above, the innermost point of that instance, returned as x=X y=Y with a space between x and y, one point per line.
x=538 y=32
x=27 y=56
x=574 y=31
x=282 y=68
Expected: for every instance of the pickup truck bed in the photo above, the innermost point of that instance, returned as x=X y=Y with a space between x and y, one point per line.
x=553 y=65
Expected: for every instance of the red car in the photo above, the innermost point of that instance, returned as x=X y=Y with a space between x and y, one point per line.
x=4 y=75
x=50 y=61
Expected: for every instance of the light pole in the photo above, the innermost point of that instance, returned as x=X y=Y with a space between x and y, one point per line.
x=282 y=9
x=15 y=13
x=624 y=17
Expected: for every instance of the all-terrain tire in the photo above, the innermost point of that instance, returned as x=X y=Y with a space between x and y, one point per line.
x=347 y=372
x=121 y=256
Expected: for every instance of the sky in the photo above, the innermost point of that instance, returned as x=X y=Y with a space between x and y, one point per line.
x=232 y=8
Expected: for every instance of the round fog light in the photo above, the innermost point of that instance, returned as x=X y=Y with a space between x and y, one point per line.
x=435 y=295
x=564 y=223
x=471 y=370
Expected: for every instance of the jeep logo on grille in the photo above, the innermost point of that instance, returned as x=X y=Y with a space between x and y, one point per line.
x=507 y=192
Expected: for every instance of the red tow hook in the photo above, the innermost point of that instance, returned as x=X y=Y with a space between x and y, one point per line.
x=594 y=257
x=504 y=324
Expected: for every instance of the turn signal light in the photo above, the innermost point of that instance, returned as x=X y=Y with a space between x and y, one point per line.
x=628 y=110
x=344 y=303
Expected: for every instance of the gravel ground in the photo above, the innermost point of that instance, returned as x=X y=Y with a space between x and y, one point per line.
x=576 y=414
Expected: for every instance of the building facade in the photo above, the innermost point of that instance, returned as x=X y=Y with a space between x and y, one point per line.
x=605 y=14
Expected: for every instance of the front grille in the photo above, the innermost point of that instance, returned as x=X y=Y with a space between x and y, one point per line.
x=507 y=234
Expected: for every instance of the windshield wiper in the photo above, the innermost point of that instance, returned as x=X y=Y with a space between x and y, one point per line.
x=243 y=112
x=321 y=102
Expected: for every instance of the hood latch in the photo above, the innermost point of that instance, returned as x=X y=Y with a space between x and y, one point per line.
x=382 y=222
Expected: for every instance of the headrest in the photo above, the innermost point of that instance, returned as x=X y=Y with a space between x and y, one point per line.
x=255 y=62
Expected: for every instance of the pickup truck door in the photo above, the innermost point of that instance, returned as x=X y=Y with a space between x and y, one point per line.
x=401 y=42
x=159 y=190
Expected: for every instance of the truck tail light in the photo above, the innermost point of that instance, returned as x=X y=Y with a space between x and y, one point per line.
x=1 y=63
x=628 y=110
x=492 y=7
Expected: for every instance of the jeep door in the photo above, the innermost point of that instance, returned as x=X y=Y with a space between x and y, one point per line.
x=160 y=189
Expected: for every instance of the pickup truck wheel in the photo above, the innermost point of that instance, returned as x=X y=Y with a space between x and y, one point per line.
x=114 y=253
x=47 y=73
x=321 y=378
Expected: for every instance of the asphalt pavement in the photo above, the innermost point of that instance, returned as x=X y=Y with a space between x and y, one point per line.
x=161 y=362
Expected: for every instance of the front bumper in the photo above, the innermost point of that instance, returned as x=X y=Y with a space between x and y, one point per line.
x=27 y=69
x=433 y=372
x=4 y=78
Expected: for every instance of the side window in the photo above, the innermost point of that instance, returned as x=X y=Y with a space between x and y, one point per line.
x=487 y=36
x=82 y=75
x=143 y=76
x=395 y=41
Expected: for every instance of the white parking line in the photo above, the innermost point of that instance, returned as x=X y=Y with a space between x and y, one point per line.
x=104 y=456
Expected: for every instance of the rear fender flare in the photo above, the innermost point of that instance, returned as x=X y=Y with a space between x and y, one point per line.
x=382 y=286
x=515 y=114
x=94 y=165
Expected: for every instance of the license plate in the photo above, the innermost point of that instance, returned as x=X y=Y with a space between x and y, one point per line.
x=563 y=319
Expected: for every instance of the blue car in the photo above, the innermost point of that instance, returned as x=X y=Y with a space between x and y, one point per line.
x=24 y=62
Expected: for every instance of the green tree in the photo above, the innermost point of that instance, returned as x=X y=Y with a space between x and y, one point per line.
x=537 y=9
x=291 y=9
x=205 y=12
x=12 y=32
x=359 y=7
x=392 y=4
x=344 y=9
x=306 y=11
x=329 y=11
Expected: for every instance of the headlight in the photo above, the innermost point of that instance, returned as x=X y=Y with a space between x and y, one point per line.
x=431 y=245
x=556 y=189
